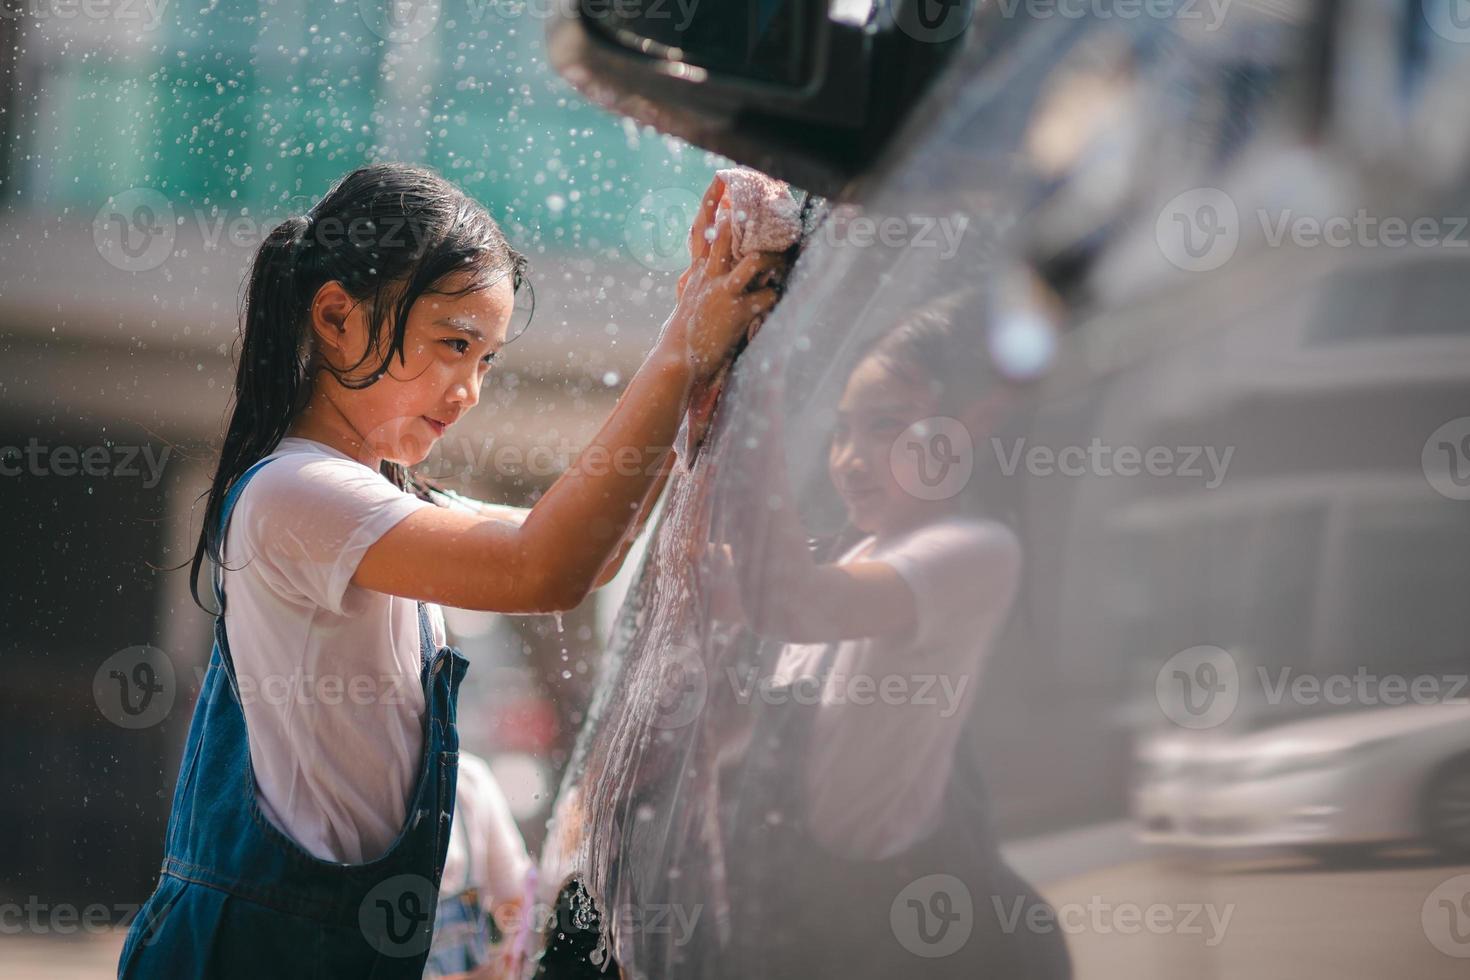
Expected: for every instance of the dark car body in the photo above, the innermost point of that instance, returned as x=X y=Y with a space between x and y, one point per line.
x=1235 y=448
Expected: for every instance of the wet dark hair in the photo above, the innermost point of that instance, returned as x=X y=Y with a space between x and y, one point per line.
x=942 y=346
x=389 y=233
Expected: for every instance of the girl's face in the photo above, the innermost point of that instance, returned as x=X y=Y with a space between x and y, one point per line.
x=449 y=345
x=876 y=407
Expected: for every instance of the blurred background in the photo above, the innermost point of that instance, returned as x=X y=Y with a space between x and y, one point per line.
x=145 y=149
x=148 y=146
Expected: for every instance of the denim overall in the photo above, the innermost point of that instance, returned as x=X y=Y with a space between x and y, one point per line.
x=237 y=898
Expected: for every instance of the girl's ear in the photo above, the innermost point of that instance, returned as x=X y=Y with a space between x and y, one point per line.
x=330 y=308
x=337 y=325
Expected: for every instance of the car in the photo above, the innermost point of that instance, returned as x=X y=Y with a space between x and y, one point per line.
x=1338 y=787
x=1205 y=305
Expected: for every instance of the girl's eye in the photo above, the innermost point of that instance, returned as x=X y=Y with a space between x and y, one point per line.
x=453 y=341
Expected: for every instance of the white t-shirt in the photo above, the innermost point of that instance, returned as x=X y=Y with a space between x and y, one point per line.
x=328 y=671
x=889 y=714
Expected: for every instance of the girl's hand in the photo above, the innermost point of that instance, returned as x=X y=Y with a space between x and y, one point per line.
x=699 y=242
x=716 y=300
x=720 y=581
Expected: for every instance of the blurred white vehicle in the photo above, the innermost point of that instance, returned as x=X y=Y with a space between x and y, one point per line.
x=1335 y=786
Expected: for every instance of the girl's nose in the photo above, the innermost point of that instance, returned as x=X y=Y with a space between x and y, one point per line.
x=847 y=459
x=465 y=394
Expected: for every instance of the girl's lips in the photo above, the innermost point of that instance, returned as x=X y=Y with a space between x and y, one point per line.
x=438 y=427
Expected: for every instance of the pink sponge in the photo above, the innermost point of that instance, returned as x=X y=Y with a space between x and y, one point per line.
x=766 y=216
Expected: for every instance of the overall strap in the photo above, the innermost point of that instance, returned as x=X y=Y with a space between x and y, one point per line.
x=231 y=496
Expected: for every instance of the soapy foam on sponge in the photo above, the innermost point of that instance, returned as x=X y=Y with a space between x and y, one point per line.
x=766 y=216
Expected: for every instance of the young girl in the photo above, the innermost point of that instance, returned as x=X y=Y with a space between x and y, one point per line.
x=883 y=640
x=314 y=801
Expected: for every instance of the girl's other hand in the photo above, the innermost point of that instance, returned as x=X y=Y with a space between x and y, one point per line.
x=719 y=580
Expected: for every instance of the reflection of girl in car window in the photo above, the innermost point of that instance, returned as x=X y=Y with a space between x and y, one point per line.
x=922 y=593
x=883 y=641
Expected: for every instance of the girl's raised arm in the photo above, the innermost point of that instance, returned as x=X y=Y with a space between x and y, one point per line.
x=555 y=557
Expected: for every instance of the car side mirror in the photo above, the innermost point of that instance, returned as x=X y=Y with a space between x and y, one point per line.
x=759 y=42
x=806 y=90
